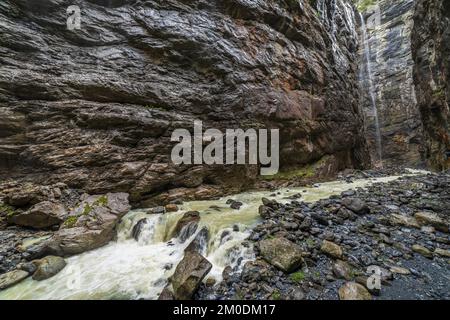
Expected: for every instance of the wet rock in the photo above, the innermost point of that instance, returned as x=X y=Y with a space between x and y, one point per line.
x=422 y=250
x=137 y=229
x=236 y=205
x=429 y=218
x=264 y=212
x=356 y=205
x=189 y=274
x=442 y=252
x=29 y=267
x=354 y=291
x=281 y=253
x=157 y=210
x=166 y=294
x=342 y=270
x=402 y=220
x=11 y=278
x=400 y=270
x=89 y=226
x=186 y=226
x=331 y=249
x=48 y=267
x=171 y=207
x=210 y=282
x=42 y=215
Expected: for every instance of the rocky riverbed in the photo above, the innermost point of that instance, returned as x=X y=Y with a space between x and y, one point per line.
x=325 y=250
x=313 y=242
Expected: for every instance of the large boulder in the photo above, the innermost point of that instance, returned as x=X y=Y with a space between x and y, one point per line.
x=186 y=226
x=430 y=218
x=42 y=215
x=11 y=278
x=354 y=291
x=281 y=253
x=356 y=205
x=48 y=267
x=189 y=274
x=89 y=226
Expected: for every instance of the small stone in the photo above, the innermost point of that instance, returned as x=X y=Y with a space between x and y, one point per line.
x=210 y=282
x=354 y=291
x=422 y=250
x=331 y=249
x=342 y=270
x=400 y=270
x=442 y=252
x=429 y=218
x=171 y=207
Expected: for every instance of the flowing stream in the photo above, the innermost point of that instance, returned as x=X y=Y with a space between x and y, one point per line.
x=130 y=269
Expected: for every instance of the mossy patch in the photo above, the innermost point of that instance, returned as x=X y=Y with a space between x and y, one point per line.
x=297 y=277
x=70 y=222
x=276 y=295
x=102 y=201
x=87 y=209
x=364 y=5
x=8 y=210
x=305 y=172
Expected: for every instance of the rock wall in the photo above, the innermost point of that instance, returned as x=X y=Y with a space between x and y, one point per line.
x=431 y=52
x=95 y=108
x=389 y=31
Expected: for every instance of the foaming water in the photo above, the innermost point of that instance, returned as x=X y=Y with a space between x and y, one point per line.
x=130 y=269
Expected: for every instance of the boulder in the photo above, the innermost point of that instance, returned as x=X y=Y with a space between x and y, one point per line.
x=331 y=249
x=42 y=215
x=186 y=226
x=236 y=205
x=342 y=270
x=89 y=226
x=356 y=205
x=171 y=207
x=189 y=274
x=281 y=253
x=11 y=278
x=354 y=291
x=432 y=219
x=48 y=267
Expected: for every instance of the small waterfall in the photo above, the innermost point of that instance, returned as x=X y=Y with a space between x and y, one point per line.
x=371 y=89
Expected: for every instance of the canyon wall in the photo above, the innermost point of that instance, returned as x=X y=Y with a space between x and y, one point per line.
x=95 y=108
x=431 y=52
x=389 y=31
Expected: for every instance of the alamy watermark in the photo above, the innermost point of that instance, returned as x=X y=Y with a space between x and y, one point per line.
x=229 y=147
x=74 y=18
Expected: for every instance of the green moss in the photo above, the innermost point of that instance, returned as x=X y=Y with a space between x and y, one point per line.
x=363 y=5
x=308 y=171
x=439 y=93
x=87 y=209
x=276 y=295
x=8 y=210
x=310 y=242
x=70 y=222
x=297 y=277
x=102 y=201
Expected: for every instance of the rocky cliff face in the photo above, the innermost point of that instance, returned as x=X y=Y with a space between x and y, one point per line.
x=389 y=31
x=95 y=108
x=431 y=52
